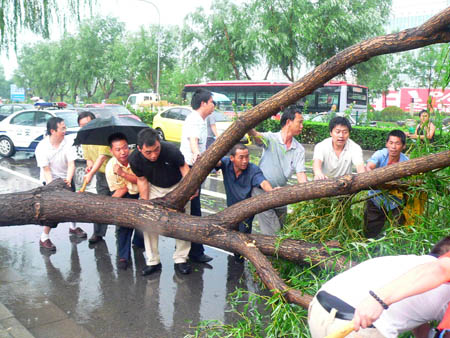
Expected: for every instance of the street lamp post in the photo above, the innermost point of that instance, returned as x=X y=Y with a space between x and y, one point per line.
x=159 y=42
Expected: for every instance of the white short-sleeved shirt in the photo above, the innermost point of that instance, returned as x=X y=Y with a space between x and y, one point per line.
x=55 y=158
x=334 y=166
x=194 y=126
x=278 y=163
x=353 y=285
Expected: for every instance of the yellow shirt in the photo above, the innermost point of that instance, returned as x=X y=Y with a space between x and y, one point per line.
x=92 y=152
x=115 y=181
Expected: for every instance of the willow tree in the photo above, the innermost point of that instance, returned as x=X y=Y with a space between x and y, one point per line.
x=165 y=215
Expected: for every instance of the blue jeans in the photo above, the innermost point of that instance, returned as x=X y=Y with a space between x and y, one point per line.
x=124 y=236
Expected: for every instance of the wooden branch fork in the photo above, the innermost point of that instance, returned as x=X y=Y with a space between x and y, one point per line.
x=164 y=216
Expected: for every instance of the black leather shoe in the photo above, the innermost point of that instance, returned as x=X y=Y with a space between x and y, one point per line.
x=149 y=269
x=201 y=259
x=122 y=264
x=95 y=239
x=184 y=268
x=238 y=258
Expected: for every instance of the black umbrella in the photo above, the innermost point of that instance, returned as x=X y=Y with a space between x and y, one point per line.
x=97 y=131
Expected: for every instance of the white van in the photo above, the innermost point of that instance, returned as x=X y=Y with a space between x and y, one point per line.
x=134 y=100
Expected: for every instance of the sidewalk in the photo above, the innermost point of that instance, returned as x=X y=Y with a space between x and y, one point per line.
x=29 y=313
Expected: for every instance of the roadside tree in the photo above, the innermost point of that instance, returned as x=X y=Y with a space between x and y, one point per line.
x=224 y=42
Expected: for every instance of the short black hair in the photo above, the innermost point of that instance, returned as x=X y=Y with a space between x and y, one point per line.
x=148 y=137
x=85 y=113
x=423 y=111
x=289 y=114
x=200 y=95
x=339 y=121
x=52 y=124
x=397 y=133
x=441 y=247
x=116 y=137
x=237 y=146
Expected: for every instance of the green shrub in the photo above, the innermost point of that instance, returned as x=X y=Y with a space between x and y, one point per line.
x=392 y=114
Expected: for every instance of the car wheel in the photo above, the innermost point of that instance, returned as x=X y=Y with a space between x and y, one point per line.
x=160 y=134
x=6 y=147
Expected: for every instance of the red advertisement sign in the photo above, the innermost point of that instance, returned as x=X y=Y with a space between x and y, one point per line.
x=417 y=97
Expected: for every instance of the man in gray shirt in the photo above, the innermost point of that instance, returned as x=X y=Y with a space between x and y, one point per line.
x=282 y=156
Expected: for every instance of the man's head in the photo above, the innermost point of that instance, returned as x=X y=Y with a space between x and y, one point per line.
x=292 y=120
x=118 y=143
x=56 y=127
x=395 y=142
x=85 y=117
x=148 y=144
x=441 y=247
x=340 y=129
x=239 y=156
x=202 y=101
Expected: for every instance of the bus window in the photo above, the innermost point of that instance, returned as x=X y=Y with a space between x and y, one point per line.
x=242 y=98
x=357 y=95
x=261 y=96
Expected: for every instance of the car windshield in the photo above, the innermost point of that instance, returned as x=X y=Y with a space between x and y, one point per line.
x=70 y=118
x=221 y=117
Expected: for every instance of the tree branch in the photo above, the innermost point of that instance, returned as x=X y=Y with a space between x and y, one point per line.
x=342 y=185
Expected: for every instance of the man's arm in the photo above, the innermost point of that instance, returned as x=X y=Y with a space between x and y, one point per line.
x=143 y=187
x=256 y=136
x=122 y=173
x=416 y=281
x=70 y=172
x=301 y=177
x=370 y=166
x=214 y=130
x=97 y=164
x=360 y=168
x=317 y=169
x=120 y=192
x=47 y=174
x=266 y=186
x=193 y=142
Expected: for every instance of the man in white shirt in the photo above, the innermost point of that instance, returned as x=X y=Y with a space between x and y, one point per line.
x=335 y=155
x=410 y=294
x=56 y=158
x=193 y=143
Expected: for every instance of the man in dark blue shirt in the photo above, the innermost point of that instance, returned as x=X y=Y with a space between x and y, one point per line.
x=239 y=178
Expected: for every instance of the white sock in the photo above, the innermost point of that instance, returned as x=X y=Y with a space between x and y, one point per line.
x=73 y=225
x=44 y=237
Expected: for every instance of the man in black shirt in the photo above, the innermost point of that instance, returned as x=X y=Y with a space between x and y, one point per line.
x=159 y=167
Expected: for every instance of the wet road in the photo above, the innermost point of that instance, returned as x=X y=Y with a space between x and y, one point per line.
x=78 y=291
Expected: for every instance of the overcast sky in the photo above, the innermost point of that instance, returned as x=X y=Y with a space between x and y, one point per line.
x=136 y=13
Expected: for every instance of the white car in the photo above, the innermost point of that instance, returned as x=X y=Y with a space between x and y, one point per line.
x=22 y=130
